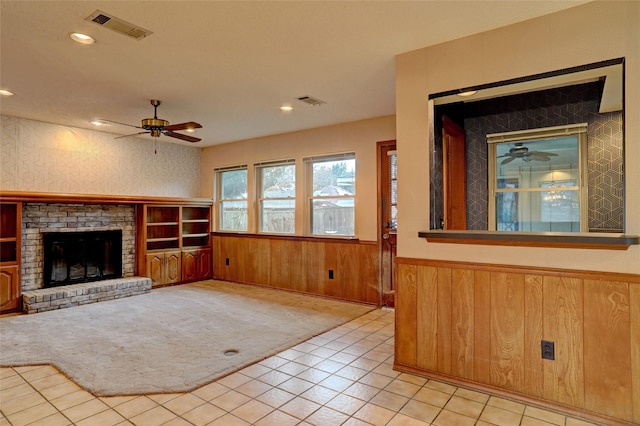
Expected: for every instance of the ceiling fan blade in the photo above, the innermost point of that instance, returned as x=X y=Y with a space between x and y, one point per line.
x=540 y=156
x=124 y=124
x=508 y=160
x=181 y=136
x=183 y=126
x=133 y=134
x=546 y=154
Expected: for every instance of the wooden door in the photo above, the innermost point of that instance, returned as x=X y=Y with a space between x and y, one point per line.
x=454 y=171
x=190 y=265
x=10 y=256
x=387 y=214
x=204 y=264
x=9 y=289
x=155 y=268
x=172 y=267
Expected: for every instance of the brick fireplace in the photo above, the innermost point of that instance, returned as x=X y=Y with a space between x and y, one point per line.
x=39 y=218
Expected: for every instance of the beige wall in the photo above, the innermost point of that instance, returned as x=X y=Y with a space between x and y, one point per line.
x=584 y=34
x=44 y=157
x=359 y=137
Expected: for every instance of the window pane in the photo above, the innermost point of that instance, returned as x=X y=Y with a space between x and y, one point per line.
x=233 y=215
x=278 y=216
x=234 y=184
x=393 y=191
x=334 y=177
x=541 y=211
x=394 y=217
x=538 y=182
x=560 y=206
x=278 y=181
x=333 y=216
x=529 y=163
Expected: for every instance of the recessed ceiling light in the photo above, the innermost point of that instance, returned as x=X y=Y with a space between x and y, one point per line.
x=82 y=38
x=4 y=92
x=190 y=130
x=286 y=108
x=98 y=122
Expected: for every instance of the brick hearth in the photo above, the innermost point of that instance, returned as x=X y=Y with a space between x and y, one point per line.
x=48 y=299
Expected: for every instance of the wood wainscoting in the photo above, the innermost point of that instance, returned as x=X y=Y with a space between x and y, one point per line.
x=482 y=325
x=340 y=269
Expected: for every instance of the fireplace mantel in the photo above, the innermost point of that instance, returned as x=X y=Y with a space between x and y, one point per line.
x=54 y=197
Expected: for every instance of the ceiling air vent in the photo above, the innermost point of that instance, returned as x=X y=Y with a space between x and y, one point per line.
x=311 y=101
x=118 y=25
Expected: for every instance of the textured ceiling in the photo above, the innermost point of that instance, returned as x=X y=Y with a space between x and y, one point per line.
x=228 y=65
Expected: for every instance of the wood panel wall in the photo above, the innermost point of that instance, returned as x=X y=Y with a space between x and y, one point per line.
x=300 y=265
x=483 y=324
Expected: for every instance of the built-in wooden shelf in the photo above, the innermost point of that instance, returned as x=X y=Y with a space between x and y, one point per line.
x=578 y=240
x=54 y=197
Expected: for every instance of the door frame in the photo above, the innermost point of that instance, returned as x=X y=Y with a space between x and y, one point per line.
x=387 y=273
x=454 y=179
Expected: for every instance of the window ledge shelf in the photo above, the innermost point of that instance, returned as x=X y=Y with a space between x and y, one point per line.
x=534 y=239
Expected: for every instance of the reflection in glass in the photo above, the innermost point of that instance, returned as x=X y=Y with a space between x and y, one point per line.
x=537 y=185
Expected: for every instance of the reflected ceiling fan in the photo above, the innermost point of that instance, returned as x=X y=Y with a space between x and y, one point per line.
x=156 y=126
x=521 y=151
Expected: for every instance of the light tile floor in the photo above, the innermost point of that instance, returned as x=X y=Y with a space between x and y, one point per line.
x=342 y=377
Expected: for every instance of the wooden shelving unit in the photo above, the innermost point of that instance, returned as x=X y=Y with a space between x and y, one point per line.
x=162 y=227
x=176 y=243
x=196 y=226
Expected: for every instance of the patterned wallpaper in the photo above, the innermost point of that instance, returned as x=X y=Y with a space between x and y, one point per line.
x=45 y=157
x=555 y=107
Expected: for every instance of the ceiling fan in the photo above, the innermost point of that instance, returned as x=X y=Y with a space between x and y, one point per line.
x=521 y=151
x=156 y=126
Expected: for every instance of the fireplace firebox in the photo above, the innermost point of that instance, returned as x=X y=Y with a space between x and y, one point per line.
x=78 y=257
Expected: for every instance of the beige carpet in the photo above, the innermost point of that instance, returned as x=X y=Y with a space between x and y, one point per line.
x=172 y=339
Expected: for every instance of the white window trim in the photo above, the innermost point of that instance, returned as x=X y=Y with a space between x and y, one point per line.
x=218 y=200
x=259 y=198
x=309 y=197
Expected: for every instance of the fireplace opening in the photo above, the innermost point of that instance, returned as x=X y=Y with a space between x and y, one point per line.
x=78 y=257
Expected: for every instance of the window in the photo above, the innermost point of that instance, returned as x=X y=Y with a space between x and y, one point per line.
x=331 y=193
x=232 y=198
x=536 y=180
x=276 y=183
x=393 y=190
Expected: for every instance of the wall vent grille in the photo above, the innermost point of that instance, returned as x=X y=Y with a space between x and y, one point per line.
x=118 y=25
x=311 y=100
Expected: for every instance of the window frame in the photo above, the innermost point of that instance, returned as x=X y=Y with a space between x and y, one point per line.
x=577 y=130
x=260 y=198
x=309 y=197
x=219 y=200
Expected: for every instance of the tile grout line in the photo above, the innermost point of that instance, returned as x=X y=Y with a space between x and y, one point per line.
x=40 y=393
x=366 y=342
